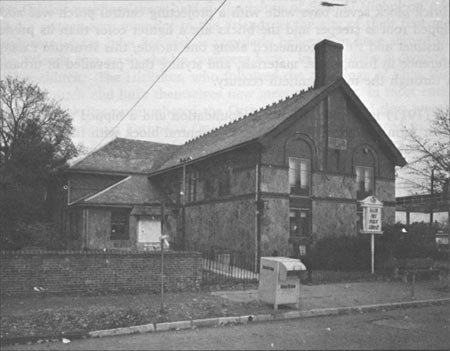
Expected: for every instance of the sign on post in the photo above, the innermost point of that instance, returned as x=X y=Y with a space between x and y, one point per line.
x=372 y=210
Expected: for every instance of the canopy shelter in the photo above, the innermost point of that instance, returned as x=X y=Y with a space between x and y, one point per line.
x=426 y=203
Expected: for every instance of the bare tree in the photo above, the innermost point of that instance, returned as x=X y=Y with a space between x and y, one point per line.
x=24 y=106
x=35 y=142
x=431 y=163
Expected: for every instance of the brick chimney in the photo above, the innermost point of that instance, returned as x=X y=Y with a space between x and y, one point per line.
x=328 y=62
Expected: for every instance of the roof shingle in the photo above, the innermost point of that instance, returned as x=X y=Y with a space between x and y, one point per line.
x=127 y=156
x=244 y=129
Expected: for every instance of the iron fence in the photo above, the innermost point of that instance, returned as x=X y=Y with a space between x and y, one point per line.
x=227 y=268
x=224 y=268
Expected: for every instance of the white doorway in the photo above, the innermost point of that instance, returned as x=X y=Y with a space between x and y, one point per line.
x=149 y=230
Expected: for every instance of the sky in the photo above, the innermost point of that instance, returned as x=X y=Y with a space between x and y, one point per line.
x=97 y=58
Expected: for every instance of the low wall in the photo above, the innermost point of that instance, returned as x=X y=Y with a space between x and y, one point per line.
x=68 y=272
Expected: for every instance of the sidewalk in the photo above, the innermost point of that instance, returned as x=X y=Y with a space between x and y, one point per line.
x=354 y=294
x=50 y=317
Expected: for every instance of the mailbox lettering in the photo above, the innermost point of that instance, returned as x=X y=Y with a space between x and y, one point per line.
x=267 y=267
x=287 y=286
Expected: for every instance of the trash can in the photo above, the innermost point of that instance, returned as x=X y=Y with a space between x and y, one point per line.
x=279 y=280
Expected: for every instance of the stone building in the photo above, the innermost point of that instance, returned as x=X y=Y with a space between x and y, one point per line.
x=276 y=179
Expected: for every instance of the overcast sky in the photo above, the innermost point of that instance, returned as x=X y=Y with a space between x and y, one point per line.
x=98 y=57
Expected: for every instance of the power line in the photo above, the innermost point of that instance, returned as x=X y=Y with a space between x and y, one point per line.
x=161 y=74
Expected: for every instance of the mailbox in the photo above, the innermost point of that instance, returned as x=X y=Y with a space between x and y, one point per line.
x=279 y=280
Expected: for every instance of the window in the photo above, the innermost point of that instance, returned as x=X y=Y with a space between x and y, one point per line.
x=209 y=188
x=299 y=175
x=73 y=224
x=298 y=223
x=191 y=183
x=225 y=183
x=119 y=225
x=364 y=182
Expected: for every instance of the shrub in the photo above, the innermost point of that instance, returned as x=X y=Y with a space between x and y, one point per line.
x=341 y=253
x=37 y=234
x=417 y=242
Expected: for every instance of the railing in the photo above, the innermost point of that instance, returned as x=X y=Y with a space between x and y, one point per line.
x=227 y=268
x=224 y=268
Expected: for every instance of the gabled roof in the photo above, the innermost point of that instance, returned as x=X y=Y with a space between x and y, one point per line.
x=126 y=156
x=397 y=155
x=243 y=130
x=258 y=124
x=134 y=189
x=135 y=156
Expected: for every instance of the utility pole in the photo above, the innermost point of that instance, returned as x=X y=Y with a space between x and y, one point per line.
x=431 y=202
x=183 y=161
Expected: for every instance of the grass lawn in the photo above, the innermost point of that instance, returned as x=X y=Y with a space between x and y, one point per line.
x=53 y=315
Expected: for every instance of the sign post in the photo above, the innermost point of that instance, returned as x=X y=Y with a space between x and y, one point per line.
x=164 y=242
x=372 y=209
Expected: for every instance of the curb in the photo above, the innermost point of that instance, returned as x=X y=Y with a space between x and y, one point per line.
x=246 y=319
x=224 y=321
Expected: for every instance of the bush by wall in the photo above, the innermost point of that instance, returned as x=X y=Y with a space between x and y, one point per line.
x=40 y=234
x=70 y=272
x=353 y=253
x=417 y=242
x=341 y=253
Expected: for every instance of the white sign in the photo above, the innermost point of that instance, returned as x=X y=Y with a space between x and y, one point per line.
x=372 y=209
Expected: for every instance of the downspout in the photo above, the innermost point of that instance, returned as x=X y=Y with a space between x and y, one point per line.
x=68 y=192
x=85 y=227
x=258 y=211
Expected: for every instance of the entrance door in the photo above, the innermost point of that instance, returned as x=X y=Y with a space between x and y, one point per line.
x=149 y=230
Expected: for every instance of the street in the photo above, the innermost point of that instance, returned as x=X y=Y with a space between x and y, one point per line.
x=413 y=328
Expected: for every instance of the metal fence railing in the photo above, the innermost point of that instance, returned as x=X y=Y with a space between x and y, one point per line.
x=225 y=267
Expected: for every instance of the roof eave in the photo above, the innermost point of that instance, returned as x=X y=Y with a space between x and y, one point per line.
x=199 y=159
x=302 y=110
x=399 y=160
x=102 y=172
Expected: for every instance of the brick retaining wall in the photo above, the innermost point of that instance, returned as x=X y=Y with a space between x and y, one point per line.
x=70 y=272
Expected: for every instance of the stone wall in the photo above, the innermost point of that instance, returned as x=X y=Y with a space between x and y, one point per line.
x=333 y=186
x=99 y=230
x=226 y=224
x=89 y=272
x=333 y=218
x=275 y=226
